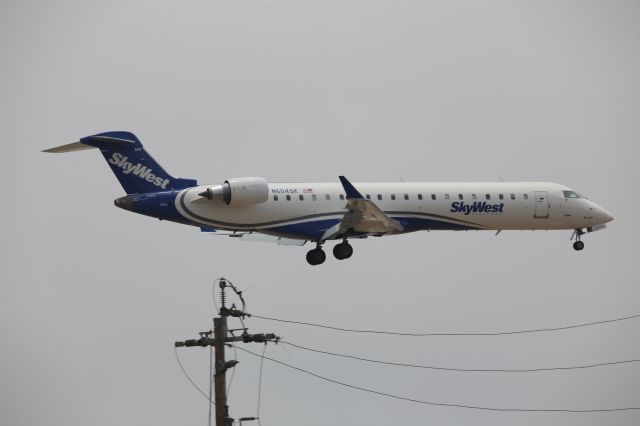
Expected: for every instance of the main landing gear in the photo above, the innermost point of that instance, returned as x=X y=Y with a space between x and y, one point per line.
x=341 y=251
x=578 y=244
x=316 y=256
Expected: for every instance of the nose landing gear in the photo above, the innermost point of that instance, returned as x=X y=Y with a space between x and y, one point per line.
x=578 y=244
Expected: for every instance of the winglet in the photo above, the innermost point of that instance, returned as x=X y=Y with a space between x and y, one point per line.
x=352 y=192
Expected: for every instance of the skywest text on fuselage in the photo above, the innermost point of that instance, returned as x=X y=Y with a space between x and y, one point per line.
x=476 y=207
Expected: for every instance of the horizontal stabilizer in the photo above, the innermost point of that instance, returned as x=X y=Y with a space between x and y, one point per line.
x=70 y=147
x=96 y=141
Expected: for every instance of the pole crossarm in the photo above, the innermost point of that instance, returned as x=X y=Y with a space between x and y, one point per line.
x=245 y=338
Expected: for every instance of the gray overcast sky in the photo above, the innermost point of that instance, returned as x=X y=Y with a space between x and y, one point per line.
x=92 y=297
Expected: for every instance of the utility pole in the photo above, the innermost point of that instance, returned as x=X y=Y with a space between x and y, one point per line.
x=219 y=341
x=220 y=375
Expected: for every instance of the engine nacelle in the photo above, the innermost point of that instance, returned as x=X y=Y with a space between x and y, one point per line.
x=243 y=191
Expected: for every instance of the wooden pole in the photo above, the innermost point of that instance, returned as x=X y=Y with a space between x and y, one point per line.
x=220 y=381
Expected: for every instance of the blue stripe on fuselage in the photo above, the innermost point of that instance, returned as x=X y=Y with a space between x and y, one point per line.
x=162 y=206
x=314 y=229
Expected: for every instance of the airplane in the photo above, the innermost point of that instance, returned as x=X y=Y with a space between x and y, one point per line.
x=253 y=209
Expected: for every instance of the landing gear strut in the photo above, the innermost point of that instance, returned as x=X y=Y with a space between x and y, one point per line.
x=343 y=250
x=316 y=256
x=578 y=244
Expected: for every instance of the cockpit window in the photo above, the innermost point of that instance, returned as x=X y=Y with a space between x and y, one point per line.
x=571 y=194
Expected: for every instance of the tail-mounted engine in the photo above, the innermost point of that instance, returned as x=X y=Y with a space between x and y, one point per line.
x=242 y=191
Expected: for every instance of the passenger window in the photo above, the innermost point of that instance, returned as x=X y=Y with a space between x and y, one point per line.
x=393 y=196
x=288 y=197
x=460 y=197
x=446 y=196
x=379 y=196
x=501 y=196
x=301 y=197
x=275 y=198
x=342 y=196
x=433 y=196
x=368 y=196
x=512 y=196
x=526 y=196
x=314 y=197
x=419 y=196
x=406 y=196
x=487 y=196
x=474 y=197
x=327 y=197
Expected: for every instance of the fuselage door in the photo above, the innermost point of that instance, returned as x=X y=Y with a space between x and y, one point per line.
x=542 y=205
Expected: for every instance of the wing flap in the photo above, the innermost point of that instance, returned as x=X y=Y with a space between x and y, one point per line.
x=255 y=237
x=291 y=242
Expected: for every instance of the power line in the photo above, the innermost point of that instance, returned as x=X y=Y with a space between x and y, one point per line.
x=210 y=380
x=440 y=404
x=213 y=294
x=260 y=384
x=233 y=372
x=394 y=333
x=466 y=370
x=175 y=350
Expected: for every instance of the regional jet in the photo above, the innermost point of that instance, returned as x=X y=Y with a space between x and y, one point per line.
x=253 y=209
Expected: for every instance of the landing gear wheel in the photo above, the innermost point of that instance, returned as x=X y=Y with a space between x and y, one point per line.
x=342 y=251
x=578 y=245
x=316 y=256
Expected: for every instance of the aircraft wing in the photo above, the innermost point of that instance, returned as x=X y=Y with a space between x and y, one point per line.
x=254 y=237
x=363 y=216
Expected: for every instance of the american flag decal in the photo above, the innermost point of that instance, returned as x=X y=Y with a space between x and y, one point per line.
x=307 y=190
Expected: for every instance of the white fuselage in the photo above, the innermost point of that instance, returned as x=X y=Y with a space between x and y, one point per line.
x=294 y=213
x=306 y=210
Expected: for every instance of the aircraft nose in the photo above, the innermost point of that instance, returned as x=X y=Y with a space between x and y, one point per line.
x=604 y=215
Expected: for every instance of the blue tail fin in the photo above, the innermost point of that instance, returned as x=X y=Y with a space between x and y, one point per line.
x=136 y=170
